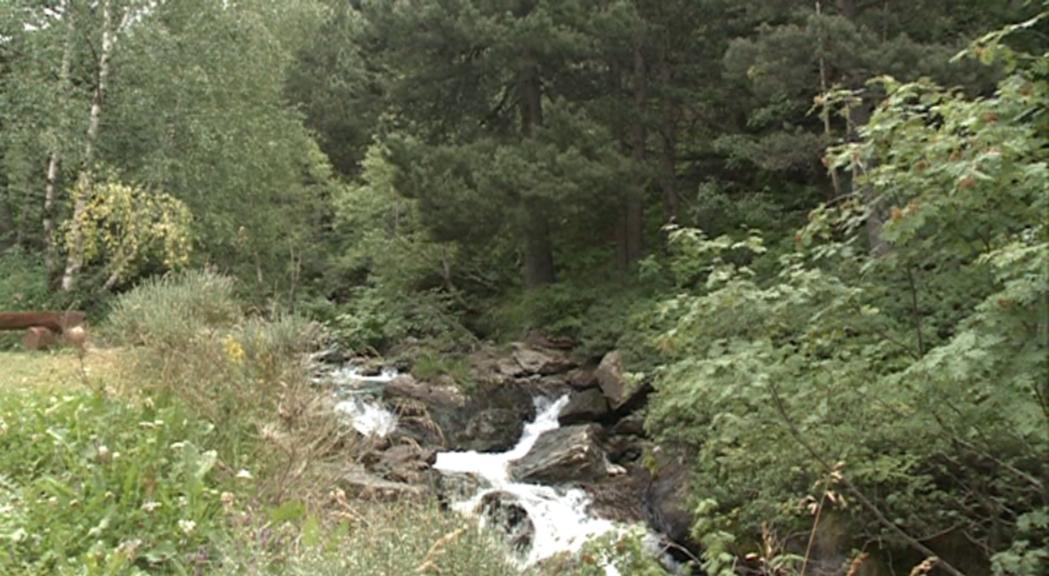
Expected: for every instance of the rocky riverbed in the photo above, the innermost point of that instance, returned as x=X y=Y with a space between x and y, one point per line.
x=547 y=448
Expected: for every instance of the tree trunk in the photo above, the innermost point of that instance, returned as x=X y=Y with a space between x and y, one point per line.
x=75 y=260
x=538 y=253
x=7 y=223
x=54 y=158
x=875 y=211
x=668 y=150
x=635 y=199
x=825 y=113
x=856 y=117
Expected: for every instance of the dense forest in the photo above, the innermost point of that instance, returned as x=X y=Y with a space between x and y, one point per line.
x=810 y=237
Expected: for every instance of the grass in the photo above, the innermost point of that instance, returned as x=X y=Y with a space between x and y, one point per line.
x=61 y=370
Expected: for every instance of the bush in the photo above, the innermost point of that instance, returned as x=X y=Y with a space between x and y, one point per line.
x=167 y=311
x=93 y=486
x=23 y=281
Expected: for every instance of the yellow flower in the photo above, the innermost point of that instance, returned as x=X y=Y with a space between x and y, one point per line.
x=234 y=350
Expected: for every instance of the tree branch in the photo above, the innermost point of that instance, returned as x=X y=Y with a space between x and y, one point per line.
x=863 y=500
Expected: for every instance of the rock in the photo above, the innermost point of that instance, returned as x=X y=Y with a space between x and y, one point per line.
x=667 y=497
x=359 y=483
x=502 y=511
x=405 y=386
x=619 y=497
x=570 y=454
x=617 y=389
x=370 y=366
x=541 y=361
x=39 y=338
x=630 y=425
x=624 y=448
x=586 y=406
x=582 y=378
x=408 y=463
x=490 y=421
x=457 y=486
x=491 y=430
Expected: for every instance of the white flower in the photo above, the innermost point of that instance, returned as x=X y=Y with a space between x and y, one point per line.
x=150 y=506
x=187 y=526
x=243 y=474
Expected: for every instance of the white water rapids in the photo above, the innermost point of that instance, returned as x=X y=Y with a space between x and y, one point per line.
x=560 y=516
x=366 y=414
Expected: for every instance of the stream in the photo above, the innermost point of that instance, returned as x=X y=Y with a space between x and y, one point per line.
x=560 y=516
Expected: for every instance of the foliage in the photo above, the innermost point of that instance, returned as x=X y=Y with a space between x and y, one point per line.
x=98 y=486
x=626 y=553
x=23 y=281
x=918 y=368
x=128 y=228
x=166 y=311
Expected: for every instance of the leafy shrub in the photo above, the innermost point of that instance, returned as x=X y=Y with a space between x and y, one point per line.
x=911 y=373
x=169 y=310
x=377 y=318
x=93 y=486
x=23 y=281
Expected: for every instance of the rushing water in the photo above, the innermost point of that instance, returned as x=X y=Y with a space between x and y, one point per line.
x=357 y=400
x=560 y=516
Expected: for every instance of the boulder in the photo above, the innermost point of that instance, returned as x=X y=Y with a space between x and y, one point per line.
x=502 y=511
x=408 y=463
x=582 y=378
x=630 y=425
x=668 y=494
x=624 y=448
x=455 y=487
x=619 y=391
x=491 y=430
x=570 y=454
x=541 y=361
x=619 y=497
x=440 y=396
x=359 y=483
x=587 y=406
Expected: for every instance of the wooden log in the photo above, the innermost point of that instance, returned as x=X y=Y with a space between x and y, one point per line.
x=39 y=338
x=57 y=322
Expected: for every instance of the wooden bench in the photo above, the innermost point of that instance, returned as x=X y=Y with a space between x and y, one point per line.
x=46 y=329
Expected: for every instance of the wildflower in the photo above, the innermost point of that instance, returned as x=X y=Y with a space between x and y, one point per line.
x=150 y=506
x=234 y=351
x=186 y=526
x=243 y=474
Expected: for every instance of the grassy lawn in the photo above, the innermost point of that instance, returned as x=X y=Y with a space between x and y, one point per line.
x=60 y=370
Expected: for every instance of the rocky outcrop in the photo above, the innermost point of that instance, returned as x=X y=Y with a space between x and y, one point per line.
x=360 y=483
x=502 y=512
x=622 y=394
x=541 y=361
x=492 y=430
x=560 y=456
x=586 y=406
x=667 y=496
